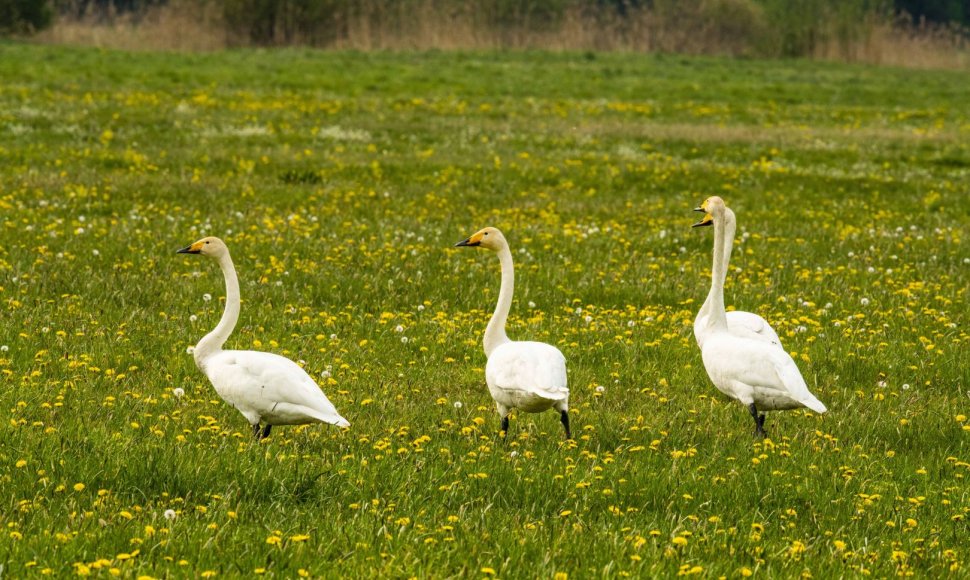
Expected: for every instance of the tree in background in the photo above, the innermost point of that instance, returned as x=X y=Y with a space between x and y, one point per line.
x=940 y=11
x=25 y=16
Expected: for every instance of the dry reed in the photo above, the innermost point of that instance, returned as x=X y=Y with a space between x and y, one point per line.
x=716 y=27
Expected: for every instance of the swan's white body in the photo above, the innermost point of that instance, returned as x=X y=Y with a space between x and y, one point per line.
x=268 y=388
x=264 y=387
x=741 y=363
x=529 y=376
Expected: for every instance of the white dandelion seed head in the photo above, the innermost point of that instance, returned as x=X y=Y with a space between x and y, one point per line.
x=178 y=392
x=420 y=307
x=532 y=304
x=579 y=310
x=905 y=386
x=458 y=405
x=404 y=340
x=588 y=319
x=4 y=348
x=95 y=252
x=169 y=515
x=600 y=388
x=398 y=328
x=881 y=384
x=864 y=302
x=333 y=337
x=193 y=318
x=207 y=297
x=631 y=324
x=514 y=454
x=325 y=374
x=189 y=350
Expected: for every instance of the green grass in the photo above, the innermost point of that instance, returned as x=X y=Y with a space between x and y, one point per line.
x=340 y=182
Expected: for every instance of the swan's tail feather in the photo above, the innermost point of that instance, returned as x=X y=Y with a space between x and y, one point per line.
x=332 y=417
x=814 y=404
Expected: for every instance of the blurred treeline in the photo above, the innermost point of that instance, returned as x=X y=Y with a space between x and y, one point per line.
x=741 y=27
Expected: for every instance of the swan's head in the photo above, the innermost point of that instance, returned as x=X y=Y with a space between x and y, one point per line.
x=211 y=246
x=490 y=238
x=712 y=206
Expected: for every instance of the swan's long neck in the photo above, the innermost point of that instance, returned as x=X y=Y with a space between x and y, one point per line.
x=724 y=229
x=212 y=343
x=495 y=332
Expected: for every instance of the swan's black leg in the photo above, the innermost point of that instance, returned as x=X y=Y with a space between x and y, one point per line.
x=564 y=419
x=266 y=431
x=256 y=430
x=759 y=421
x=505 y=427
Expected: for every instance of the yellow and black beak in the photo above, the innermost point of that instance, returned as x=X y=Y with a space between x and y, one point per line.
x=471 y=241
x=195 y=248
x=707 y=220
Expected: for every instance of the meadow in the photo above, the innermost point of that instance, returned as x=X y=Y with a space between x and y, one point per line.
x=341 y=181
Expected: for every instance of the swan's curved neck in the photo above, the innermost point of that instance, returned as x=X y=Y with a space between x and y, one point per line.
x=212 y=343
x=724 y=229
x=495 y=332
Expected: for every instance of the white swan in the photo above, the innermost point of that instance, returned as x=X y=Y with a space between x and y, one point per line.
x=264 y=387
x=530 y=376
x=740 y=323
x=756 y=372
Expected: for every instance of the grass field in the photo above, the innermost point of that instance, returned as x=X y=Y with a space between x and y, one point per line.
x=341 y=181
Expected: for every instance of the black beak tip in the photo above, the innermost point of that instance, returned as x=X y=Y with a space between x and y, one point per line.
x=187 y=250
x=700 y=209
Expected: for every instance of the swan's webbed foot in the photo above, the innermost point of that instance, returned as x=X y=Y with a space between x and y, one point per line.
x=505 y=427
x=759 y=421
x=564 y=419
x=269 y=428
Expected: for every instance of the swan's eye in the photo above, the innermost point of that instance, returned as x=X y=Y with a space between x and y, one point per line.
x=486 y=233
x=207 y=243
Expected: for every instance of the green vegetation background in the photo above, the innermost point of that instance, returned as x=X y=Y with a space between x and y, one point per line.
x=340 y=182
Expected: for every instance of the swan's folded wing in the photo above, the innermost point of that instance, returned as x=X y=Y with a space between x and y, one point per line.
x=533 y=367
x=792 y=379
x=271 y=380
x=750 y=325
